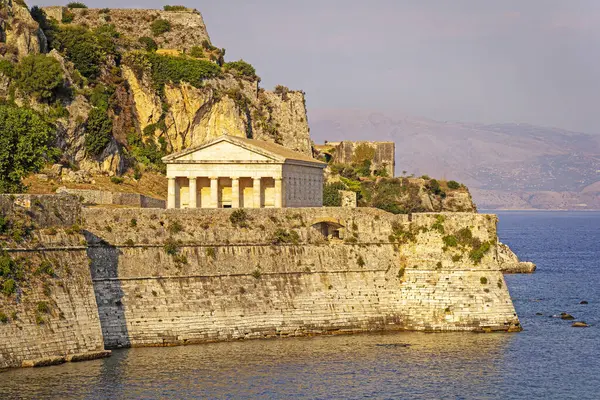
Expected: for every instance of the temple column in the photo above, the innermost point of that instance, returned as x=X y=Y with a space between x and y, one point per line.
x=171 y=195
x=235 y=192
x=193 y=193
x=278 y=193
x=214 y=192
x=256 y=193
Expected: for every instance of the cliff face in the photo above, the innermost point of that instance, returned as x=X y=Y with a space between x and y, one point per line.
x=187 y=27
x=19 y=33
x=236 y=107
x=147 y=119
x=48 y=312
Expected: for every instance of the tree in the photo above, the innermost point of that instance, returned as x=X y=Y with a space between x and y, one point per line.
x=196 y=52
x=40 y=76
x=25 y=145
x=98 y=131
x=160 y=26
x=148 y=43
x=242 y=68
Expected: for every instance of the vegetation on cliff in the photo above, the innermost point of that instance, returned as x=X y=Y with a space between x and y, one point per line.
x=103 y=119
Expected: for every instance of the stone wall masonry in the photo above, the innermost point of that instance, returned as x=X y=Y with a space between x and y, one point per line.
x=226 y=281
x=69 y=329
x=384 y=154
x=103 y=197
x=44 y=210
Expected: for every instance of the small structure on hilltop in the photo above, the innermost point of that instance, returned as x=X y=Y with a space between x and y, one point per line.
x=377 y=157
x=234 y=172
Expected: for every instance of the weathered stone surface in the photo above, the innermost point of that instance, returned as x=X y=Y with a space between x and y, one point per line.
x=187 y=27
x=19 y=30
x=229 y=283
x=579 y=324
x=510 y=264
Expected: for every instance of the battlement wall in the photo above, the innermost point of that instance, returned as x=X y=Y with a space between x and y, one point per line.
x=165 y=277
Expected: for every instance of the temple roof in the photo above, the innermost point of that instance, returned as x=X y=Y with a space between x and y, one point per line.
x=267 y=149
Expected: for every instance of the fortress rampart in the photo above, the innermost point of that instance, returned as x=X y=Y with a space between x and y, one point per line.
x=171 y=277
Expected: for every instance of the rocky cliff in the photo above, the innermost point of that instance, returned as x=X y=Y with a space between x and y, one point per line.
x=135 y=85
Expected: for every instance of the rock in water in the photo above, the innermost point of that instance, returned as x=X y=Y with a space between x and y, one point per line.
x=584 y=302
x=567 y=317
x=579 y=324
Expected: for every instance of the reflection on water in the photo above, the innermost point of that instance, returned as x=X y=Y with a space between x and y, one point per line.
x=320 y=367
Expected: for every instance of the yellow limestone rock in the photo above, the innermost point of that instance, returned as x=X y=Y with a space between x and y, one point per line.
x=147 y=103
x=195 y=117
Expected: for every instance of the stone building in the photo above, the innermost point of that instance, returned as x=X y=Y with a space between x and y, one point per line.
x=234 y=172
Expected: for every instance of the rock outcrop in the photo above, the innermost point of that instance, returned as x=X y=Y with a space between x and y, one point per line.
x=510 y=263
x=19 y=33
x=187 y=27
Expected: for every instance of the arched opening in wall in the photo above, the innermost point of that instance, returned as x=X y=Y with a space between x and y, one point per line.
x=329 y=229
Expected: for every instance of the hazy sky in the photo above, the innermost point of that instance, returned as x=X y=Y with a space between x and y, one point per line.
x=535 y=61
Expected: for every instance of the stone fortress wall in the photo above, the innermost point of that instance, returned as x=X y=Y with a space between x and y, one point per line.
x=381 y=154
x=52 y=318
x=104 y=197
x=225 y=282
x=152 y=277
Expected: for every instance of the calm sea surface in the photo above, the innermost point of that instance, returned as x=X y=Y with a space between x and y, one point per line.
x=549 y=359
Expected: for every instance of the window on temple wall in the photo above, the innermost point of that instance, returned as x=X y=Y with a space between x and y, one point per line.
x=329 y=229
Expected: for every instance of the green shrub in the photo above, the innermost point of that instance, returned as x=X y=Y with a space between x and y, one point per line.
x=39 y=76
x=165 y=69
x=3 y=318
x=88 y=50
x=101 y=95
x=171 y=247
x=439 y=224
x=211 y=252
x=283 y=236
x=239 y=218
x=129 y=242
x=98 y=131
x=483 y=280
x=175 y=8
x=240 y=68
x=453 y=185
x=148 y=43
x=477 y=254
x=76 y=5
x=7 y=68
x=402 y=235
x=196 y=52
x=4 y=225
x=9 y=287
x=331 y=194
x=45 y=267
x=133 y=223
x=117 y=180
x=43 y=307
x=160 y=26
x=26 y=144
x=67 y=17
x=175 y=227
x=256 y=274
x=450 y=241
x=456 y=258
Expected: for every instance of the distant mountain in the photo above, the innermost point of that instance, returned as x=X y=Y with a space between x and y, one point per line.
x=506 y=165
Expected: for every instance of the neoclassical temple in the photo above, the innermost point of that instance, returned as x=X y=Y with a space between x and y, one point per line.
x=234 y=172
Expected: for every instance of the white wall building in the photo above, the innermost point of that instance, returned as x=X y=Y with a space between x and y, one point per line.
x=234 y=172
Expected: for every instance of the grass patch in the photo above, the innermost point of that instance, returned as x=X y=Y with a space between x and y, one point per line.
x=283 y=236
